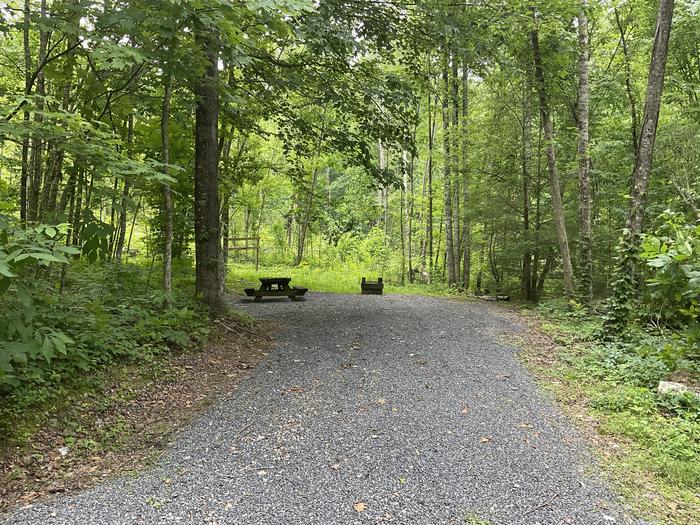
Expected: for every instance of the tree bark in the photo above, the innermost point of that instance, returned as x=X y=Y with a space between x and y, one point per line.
x=456 y=171
x=525 y=155
x=429 y=174
x=409 y=211
x=634 y=125
x=466 y=238
x=24 y=180
x=652 y=107
x=447 y=174
x=124 y=208
x=167 y=197
x=36 y=160
x=584 y=162
x=206 y=178
x=557 y=205
x=626 y=286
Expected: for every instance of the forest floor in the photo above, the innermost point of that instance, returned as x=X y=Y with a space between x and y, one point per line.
x=121 y=419
x=394 y=409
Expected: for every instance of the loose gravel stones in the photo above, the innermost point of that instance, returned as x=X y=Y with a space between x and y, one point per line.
x=371 y=409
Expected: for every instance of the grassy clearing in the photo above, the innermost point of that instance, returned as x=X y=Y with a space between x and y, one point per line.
x=648 y=444
x=339 y=280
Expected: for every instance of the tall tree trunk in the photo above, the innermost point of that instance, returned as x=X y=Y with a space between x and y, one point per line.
x=557 y=205
x=466 y=240
x=447 y=174
x=456 y=171
x=409 y=211
x=626 y=285
x=167 y=197
x=525 y=154
x=206 y=178
x=584 y=161
x=77 y=214
x=306 y=217
x=306 y=213
x=402 y=215
x=429 y=173
x=36 y=161
x=383 y=194
x=480 y=271
x=24 y=181
x=125 y=193
x=634 y=125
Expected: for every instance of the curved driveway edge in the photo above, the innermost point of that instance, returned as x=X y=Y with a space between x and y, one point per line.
x=371 y=409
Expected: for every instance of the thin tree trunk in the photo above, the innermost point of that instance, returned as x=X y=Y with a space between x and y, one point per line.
x=626 y=285
x=411 y=203
x=36 y=162
x=167 y=197
x=447 y=174
x=306 y=213
x=125 y=193
x=384 y=190
x=634 y=126
x=525 y=154
x=78 y=206
x=456 y=171
x=429 y=169
x=206 y=178
x=584 y=160
x=480 y=272
x=24 y=181
x=557 y=205
x=133 y=225
x=466 y=237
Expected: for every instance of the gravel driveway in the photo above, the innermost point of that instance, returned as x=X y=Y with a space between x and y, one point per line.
x=394 y=409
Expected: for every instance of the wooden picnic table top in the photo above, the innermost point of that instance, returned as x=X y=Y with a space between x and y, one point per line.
x=275 y=280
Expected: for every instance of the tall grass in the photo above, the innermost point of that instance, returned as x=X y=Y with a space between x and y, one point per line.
x=336 y=280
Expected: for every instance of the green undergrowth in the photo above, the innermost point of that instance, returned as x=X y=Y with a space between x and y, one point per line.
x=110 y=319
x=334 y=280
x=650 y=442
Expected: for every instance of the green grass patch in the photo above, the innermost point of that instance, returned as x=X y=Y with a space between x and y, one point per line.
x=336 y=280
x=651 y=442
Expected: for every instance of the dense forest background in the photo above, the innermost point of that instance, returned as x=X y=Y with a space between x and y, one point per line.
x=545 y=150
x=539 y=149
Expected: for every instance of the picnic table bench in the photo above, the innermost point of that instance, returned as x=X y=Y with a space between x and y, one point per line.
x=275 y=287
x=372 y=287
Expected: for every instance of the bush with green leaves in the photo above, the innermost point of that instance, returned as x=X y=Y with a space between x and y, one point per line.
x=672 y=256
x=101 y=314
x=26 y=255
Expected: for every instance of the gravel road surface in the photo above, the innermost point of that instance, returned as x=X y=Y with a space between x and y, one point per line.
x=371 y=409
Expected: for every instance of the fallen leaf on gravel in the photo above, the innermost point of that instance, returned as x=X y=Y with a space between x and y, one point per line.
x=293 y=390
x=360 y=506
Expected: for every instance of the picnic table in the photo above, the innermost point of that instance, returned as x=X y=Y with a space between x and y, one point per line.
x=275 y=287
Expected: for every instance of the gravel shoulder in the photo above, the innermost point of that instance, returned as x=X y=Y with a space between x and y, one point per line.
x=370 y=409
